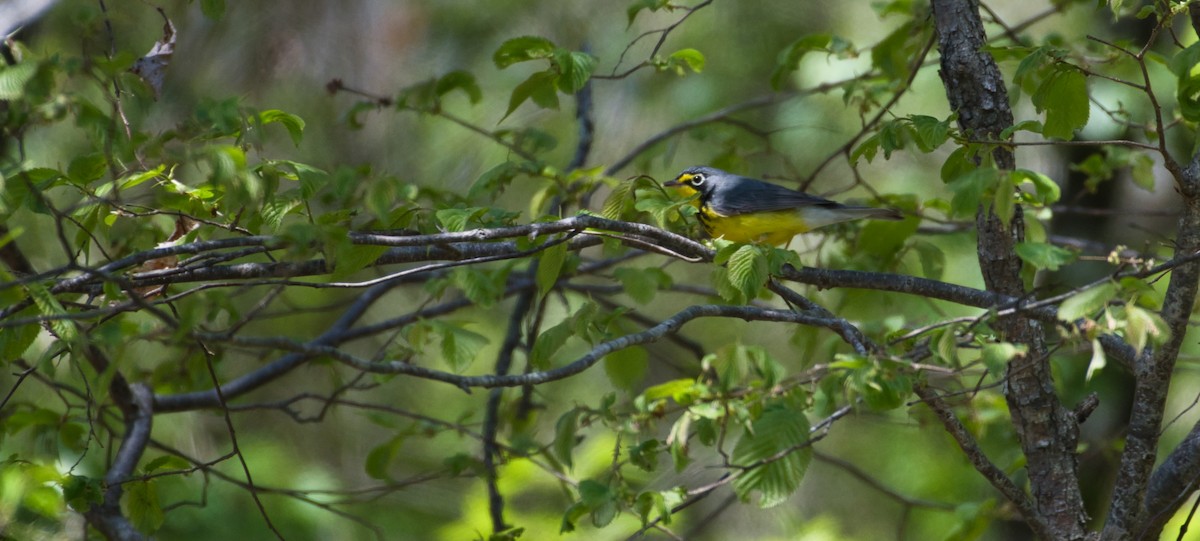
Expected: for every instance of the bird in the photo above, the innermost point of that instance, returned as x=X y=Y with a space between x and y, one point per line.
x=742 y=209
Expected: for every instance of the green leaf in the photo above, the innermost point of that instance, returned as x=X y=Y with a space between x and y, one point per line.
x=995 y=356
x=462 y=81
x=1044 y=256
x=933 y=259
x=600 y=500
x=141 y=504
x=1142 y=170
x=789 y=58
x=522 y=49
x=548 y=342
x=1182 y=63
x=885 y=240
x=541 y=87
x=456 y=219
x=381 y=457
x=292 y=123
x=1047 y=191
x=1097 y=361
x=48 y=305
x=13 y=79
x=691 y=57
x=86 y=168
x=565 y=437
x=1143 y=327
x=642 y=284
x=481 y=286
x=650 y=502
x=931 y=132
x=1004 y=200
x=460 y=347
x=81 y=493
x=969 y=189
x=669 y=389
x=550 y=264
x=626 y=367
x=748 y=270
x=776 y=436
x=1087 y=302
x=350 y=258
x=574 y=70
x=1063 y=97
x=15 y=340
x=619 y=203
x=639 y=5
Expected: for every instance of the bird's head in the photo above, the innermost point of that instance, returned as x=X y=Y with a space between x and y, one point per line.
x=697 y=179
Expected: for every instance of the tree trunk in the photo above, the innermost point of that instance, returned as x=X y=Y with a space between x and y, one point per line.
x=1047 y=431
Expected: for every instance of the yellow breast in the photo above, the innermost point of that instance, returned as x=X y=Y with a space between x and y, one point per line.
x=774 y=228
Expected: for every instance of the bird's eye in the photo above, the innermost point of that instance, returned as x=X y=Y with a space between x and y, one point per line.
x=697 y=179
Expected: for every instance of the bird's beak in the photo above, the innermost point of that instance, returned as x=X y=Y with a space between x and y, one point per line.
x=678 y=181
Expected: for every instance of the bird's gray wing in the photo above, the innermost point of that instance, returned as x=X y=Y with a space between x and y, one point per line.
x=745 y=195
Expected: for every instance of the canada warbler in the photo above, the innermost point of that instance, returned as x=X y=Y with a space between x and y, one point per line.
x=743 y=209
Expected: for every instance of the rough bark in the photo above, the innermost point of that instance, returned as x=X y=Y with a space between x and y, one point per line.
x=1047 y=431
x=1141 y=505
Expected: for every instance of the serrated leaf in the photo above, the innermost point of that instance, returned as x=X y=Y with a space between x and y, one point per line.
x=141 y=504
x=522 y=49
x=747 y=270
x=540 y=87
x=548 y=342
x=565 y=437
x=87 y=168
x=931 y=132
x=619 y=203
x=550 y=264
x=947 y=346
x=484 y=287
x=460 y=347
x=292 y=123
x=574 y=70
x=48 y=305
x=1063 y=97
x=776 y=436
x=1044 y=256
x=1087 y=302
x=14 y=78
x=15 y=340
